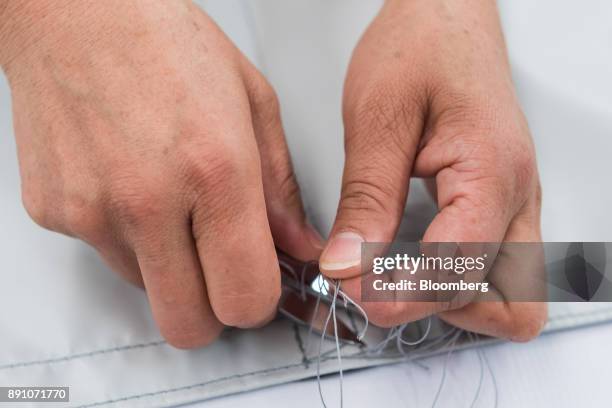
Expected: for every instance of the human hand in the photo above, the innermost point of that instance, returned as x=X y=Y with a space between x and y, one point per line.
x=142 y=130
x=429 y=94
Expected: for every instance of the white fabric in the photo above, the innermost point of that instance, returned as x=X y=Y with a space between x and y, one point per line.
x=564 y=370
x=60 y=304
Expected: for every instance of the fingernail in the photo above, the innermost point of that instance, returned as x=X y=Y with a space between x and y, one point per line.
x=343 y=252
x=315 y=239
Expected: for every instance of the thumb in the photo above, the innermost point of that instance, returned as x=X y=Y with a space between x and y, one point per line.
x=381 y=140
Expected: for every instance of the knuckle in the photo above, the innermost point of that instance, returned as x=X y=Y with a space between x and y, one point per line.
x=524 y=165
x=371 y=197
x=370 y=105
x=538 y=195
x=247 y=310
x=519 y=169
x=216 y=186
x=472 y=112
x=82 y=219
x=388 y=315
x=519 y=322
x=192 y=337
x=265 y=102
x=385 y=317
x=221 y=164
x=488 y=194
x=383 y=110
x=37 y=211
x=525 y=332
x=525 y=322
x=288 y=189
x=134 y=204
x=73 y=213
x=468 y=123
x=279 y=181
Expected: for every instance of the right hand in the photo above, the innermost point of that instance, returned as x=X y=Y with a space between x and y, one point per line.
x=142 y=130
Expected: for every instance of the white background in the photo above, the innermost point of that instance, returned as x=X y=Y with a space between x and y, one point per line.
x=561 y=53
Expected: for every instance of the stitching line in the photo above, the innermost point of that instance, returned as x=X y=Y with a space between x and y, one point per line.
x=82 y=355
x=264 y=371
x=300 y=344
x=597 y=312
x=192 y=386
x=273 y=370
x=93 y=353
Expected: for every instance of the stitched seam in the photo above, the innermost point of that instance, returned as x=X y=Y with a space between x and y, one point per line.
x=75 y=356
x=218 y=380
x=300 y=344
x=265 y=371
x=128 y=347
x=197 y=385
x=271 y=370
x=191 y=386
x=597 y=312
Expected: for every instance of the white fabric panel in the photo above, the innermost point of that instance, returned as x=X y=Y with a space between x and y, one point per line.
x=564 y=370
x=67 y=320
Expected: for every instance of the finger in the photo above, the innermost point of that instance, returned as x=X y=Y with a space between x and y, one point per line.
x=98 y=230
x=516 y=321
x=173 y=277
x=474 y=208
x=290 y=229
x=381 y=139
x=122 y=260
x=480 y=184
x=231 y=230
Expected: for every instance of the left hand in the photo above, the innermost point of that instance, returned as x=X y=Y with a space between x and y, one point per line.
x=429 y=94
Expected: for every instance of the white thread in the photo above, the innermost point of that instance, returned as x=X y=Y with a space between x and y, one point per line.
x=416 y=342
x=338 y=350
x=451 y=344
x=332 y=313
x=481 y=375
x=493 y=379
x=314 y=316
x=347 y=300
x=394 y=333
